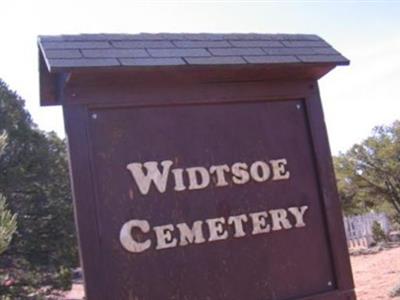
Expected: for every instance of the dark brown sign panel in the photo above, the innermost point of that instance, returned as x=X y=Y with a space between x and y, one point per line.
x=276 y=247
x=204 y=183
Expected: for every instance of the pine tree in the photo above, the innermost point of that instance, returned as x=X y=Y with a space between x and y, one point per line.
x=34 y=180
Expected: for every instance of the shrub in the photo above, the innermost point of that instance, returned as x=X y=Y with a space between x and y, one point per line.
x=377 y=232
x=395 y=292
x=64 y=279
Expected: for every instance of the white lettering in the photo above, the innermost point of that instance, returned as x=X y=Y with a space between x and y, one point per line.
x=256 y=168
x=127 y=240
x=179 y=185
x=194 y=183
x=149 y=173
x=220 y=172
x=191 y=235
x=278 y=168
x=237 y=222
x=259 y=220
x=298 y=213
x=153 y=175
x=279 y=217
x=164 y=236
x=240 y=174
x=216 y=229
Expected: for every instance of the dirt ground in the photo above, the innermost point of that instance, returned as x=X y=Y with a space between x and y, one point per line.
x=375 y=275
x=77 y=292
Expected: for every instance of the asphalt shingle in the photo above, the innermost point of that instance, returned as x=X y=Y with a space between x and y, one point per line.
x=142 y=44
x=321 y=58
x=84 y=62
x=76 y=45
x=272 y=59
x=204 y=44
x=112 y=53
x=187 y=52
x=299 y=51
x=236 y=51
x=73 y=53
x=169 y=49
x=296 y=44
x=250 y=43
x=221 y=60
x=165 y=61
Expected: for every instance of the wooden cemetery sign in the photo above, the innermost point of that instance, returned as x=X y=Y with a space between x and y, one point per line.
x=200 y=165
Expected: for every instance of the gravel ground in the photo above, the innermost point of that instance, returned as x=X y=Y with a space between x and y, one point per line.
x=375 y=275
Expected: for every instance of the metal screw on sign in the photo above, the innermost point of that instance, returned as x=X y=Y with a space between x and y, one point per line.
x=329 y=283
x=298 y=106
x=94 y=116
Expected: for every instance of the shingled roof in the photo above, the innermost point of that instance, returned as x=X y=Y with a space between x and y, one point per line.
x=69 y=52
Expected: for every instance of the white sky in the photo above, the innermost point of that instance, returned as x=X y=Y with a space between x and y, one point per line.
x=355 y=98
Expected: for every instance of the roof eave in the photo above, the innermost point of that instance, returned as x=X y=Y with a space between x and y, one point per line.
x=53 y=78
x=47 y=83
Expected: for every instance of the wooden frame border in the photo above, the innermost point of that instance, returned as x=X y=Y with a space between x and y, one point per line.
x=328 y=189
x=85 y=208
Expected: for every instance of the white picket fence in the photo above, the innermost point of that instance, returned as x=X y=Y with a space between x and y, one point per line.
x=359 y=228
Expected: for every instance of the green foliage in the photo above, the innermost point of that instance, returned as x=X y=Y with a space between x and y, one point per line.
x=8 y=221
x=34 y=179
x=8 y=225
x=377 y=232
x=368 y=174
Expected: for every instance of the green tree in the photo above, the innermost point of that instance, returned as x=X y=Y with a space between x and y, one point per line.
x=368 y=174
x=34 y=179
